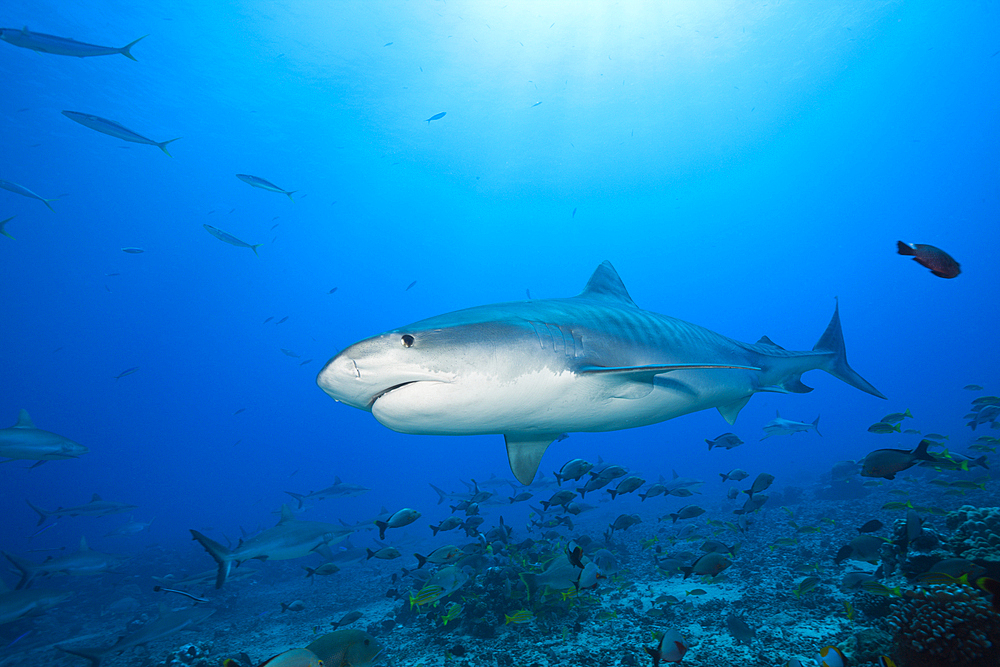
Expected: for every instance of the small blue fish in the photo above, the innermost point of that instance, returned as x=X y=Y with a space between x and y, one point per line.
x=230 y=239
x=24 y=192
x=283 y=319
x=535 y=105
x=239 y=411
x=263 y=184
x=115 y=129
x=268 y=319
x=437 y=116
x=60 y=46
x=127 y=371
x=133 y=251
x=332 y=291
x=387 y=44
x=410 y=285
x=22 y=636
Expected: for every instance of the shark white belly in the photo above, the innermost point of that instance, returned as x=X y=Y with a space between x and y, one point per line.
x=531 y=370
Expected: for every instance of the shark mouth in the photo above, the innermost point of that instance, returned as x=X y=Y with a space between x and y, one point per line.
x=390 y=389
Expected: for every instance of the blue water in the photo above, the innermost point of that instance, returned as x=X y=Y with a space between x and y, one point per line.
x=741 y=165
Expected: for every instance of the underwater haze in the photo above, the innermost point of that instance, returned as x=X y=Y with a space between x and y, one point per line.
x=744 y=166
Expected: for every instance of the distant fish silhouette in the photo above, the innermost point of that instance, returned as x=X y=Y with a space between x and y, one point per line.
x=127 y=371
x=133 y=251
x=437 y=116
x=283 y=319
x=332 y=291
x=535 y=105
x=410 y=285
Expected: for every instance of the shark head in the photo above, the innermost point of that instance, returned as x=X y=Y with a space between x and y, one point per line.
x=440 y=376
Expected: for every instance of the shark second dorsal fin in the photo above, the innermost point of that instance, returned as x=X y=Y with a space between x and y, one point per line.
x=336 y=480
x=286 y=514
x=23 y=420
x=764 y=340
x=605 y=285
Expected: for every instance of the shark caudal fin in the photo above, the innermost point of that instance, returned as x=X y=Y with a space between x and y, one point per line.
x=42 y=514
x=222 y=556
x=25 y=567
x=832 y=340
x=95 y=655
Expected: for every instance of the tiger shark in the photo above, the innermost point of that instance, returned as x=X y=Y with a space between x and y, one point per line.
x=532 y=370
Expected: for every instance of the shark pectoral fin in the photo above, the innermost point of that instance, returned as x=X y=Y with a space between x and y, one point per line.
x=525 y=453
x=731 y=411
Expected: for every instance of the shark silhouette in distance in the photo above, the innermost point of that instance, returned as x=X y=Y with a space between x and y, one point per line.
x=532 y=370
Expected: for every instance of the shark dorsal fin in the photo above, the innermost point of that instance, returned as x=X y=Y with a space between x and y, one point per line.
x=95 y=498
x=83 y=544
x=286 y=515
x=764 y=340
x=336 y=480
x=23 y=420
x=605 y=285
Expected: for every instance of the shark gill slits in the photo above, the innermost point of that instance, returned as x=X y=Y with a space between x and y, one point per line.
x=407 y=340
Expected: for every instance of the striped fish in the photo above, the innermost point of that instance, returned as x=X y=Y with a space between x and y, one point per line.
x=115 y=129
x=24 y=192
x=263 y=184
x=61 y=46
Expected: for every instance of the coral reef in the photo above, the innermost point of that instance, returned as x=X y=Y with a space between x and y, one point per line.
x=975 y=533
x=941 y=626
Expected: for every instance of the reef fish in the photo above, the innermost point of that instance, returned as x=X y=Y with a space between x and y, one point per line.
x=115 y=129
x=61 y=46
x=887 y=462
x=532 y=370
x=938 y=261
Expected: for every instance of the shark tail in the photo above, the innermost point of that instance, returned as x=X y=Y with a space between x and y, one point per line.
x=832 y=340
x=222 y=555
x=816 y=426
x=42 y=514
x=127 y=49
x=163 y=144
x=299 y=497
x=441 y=494
x=95 y=655
x=25 y=567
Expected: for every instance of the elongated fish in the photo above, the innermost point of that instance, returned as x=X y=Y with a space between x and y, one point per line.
x=115 y=129
x=61 y=46
x=24 y=192
x=230 y=239
x=263 y=184
x=531 y=370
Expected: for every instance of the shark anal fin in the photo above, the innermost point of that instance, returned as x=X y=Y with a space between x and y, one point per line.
x=525 y=454
x=731 y=411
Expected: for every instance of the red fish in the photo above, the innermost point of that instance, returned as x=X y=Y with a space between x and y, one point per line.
x=938 y=261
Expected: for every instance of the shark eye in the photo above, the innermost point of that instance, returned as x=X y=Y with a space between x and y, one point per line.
x=407 y=340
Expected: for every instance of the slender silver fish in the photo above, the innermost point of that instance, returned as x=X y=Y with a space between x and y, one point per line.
x=24 y=192
x=263 y=184
x=230 y=239
x=115 y=129
x=60 y=46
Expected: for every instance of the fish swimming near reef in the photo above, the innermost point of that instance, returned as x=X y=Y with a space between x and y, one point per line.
x=264 y=184
x=96 y=507
x=232 y=240
x=83 y=562
x=115 y=129
x=781 y=426
x=61 y=46
x=887 y=462
x=337 y=490
x=938 y=261
x=289 y=539
x=15 y=605
x=168 y=623
x=532 y=370
x=25 y=441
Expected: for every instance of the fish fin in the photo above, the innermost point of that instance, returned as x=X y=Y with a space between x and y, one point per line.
x=790 y=385
x=222 y=556
x=904 y=249
x=23 y=420
x=524 y=452
x=286 y=514
x=730 y=412
x=163 y=144
x=290 y=195
x=126 y=51
x=46 y=202
x=24 y=566
x=764 y=340
x=95 y=655
x=254 y=248
x=832 y=340
x=606 y=285
x=816 y=426
x=42 y=514
x=3 y=231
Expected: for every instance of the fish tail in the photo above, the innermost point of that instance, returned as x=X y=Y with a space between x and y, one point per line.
x=441 y=494
x=3 y=231
x=420 y=559
x=127 y=49
x=24 y=566
x=95 y=655
x=254 y=248
x=382 y=525
x=921 y=451
x=905 y=249
x=298 y=496
x=46 y=202
x=42 y=514
x=290 y=195
x=163 y=144
x=222 y=556
x=816 y=427
x=832 y=340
